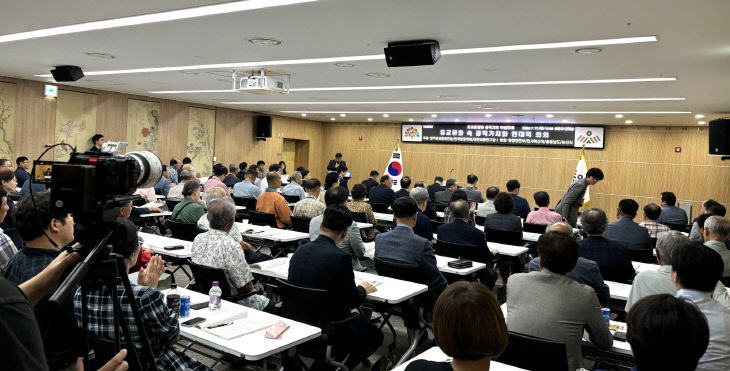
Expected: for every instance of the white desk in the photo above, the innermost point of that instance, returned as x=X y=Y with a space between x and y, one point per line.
x=390 y=290
x=619 y=291
x=240 y=207
x=157 y=244
x=364 y=225
x=441 y=262
x=254 y=346
x=383 y=217
x=440 y=214
x=152 y=215
x=265 y=232
x=644 y=267
x=507 y=250
x=291 y=204
x=152 y=204
x=435 y=354
x=530 y=236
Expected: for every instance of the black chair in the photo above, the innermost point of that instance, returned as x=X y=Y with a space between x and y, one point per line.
x=642 y=255
x=533 y=353
x=300 y=224
x=480 y=220
x=359 y=217
x=507 y=264
x=291 y=198
x=205 y=276
x=381 y=208
x=249 y=203
x=534 y=228
x=440 y=207
x=313 y=307
x=435 y=224
x=503 y=237
x=171 y=204
x=259 y=218
x=183 y=231
x=457 y=250
x=680 y=227
x=139 y=202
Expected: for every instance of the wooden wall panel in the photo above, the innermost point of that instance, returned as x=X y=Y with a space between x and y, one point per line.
x=639 y=163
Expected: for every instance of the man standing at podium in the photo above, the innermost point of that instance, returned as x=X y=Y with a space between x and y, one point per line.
x=336 y=164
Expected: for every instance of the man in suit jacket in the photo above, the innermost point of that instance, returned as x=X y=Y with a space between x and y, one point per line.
x=472 y=192
x=586 y=271
x=549 y=305
x=522 y=207
x=435 y=187
x=321 y=264
x=612 y=257
x=572 y=200
x=372 y=181
x=460 y=231
x=383 y=194
x=337 y=163
x=625 y=230
x=441 y=198
x=670 y=213
x=405 y=183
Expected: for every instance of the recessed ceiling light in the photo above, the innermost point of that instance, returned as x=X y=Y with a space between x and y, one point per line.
x=549 y=115
x=699 y=116
x=568 y=44
x=488 y=115
x=342 y=115
x=379 y=75
x=201 y=11
x=386 y=115
x=701 y=122
x=619 y=116
x=304 y=115
x=370 y=119
x=457 y=120
x=344 y=64
x=586 y=51
x=263 y=41
x=332 y=119
x=629 y=121
x=565 y=121
x=100 y=55
x=433 y=115
x=410 y=120
x=507 y=120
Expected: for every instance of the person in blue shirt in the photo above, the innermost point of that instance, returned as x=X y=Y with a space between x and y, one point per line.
x=163 y=185
x=670 y=213
x=522 y=207
x=246 y=188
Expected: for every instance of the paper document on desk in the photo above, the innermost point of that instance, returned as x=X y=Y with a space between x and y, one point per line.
x=442 y=261
x=222 y=319
x=241 y=327
x=269 y=264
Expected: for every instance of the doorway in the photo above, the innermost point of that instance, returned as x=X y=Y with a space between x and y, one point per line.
x=295 y=153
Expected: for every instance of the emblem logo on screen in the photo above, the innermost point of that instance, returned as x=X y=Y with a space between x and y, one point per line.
x=590 y=137
x=412 y=133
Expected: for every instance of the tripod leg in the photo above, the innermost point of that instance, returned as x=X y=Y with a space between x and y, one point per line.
x=85 y=324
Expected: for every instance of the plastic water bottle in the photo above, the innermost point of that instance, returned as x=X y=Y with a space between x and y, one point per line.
x=215 y=297
x=173 y=298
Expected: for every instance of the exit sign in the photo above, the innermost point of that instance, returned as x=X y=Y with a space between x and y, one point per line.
x=50 y=91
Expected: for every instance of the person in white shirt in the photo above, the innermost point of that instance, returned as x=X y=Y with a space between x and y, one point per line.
x=488 y=207
x=716 y=232
x=264 y=183
x=695 y=272
x=294 y=188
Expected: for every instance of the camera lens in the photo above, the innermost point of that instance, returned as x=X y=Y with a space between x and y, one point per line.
x=149 y=166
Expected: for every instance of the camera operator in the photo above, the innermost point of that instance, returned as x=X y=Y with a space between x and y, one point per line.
x=62 y=339
x=160 y=322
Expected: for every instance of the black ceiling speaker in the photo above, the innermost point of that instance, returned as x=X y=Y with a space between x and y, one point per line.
x=263 y=127
x=719 y=137
x=67 y=73
x=412 y=53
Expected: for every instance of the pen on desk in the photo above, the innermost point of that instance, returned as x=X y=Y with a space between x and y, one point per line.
x=221 y=325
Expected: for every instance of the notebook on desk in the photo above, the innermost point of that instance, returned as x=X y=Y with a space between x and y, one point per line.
x=241 y=327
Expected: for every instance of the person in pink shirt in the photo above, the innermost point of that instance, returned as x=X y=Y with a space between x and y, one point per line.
x=543 y=215
x=219 y=173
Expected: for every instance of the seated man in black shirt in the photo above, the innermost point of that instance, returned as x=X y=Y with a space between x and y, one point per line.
x=383 y=194
x=321 y=264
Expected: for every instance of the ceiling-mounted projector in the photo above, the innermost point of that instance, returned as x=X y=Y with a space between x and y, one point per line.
x=262 y=84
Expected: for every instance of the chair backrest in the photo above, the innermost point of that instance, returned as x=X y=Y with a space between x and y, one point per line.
x=534 y=228
x=139 y=202
x=439 y=207
x=359 y=217
x=456 y=250
x=399 y=270
x=249 y=203
x=291 y=198
x=532 y=353
x=505 y=237
x=183 y=231
x=259 y=218
x=680 y=227
x=171 y=204
x=381 y=208
x=642 y=255
x=480 y=220
x=300 y=224
x=104 y=351
x=204 y=277
x=305 y=304
x=435 y=224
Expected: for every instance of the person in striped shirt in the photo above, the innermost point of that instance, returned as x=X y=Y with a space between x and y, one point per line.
x=651 y=214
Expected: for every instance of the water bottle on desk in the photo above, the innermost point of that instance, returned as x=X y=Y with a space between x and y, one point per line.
x=215 y=297
x=173 y=298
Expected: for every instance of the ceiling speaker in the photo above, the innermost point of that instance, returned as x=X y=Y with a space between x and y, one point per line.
x=67 y=73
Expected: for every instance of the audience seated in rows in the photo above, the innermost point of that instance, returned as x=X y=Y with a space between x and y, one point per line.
x=442 y=198
x=358 y=205
x=611 y=256
x=695 y=272
x=435 y=187
x=716 y=232
x=586 y=271
x=261 y=170
x=660 y=281
x=461 y=232
x=472 y=189
x=273 y=203
x=247 y=188
x=383 y=194
x=219 y=173
x=522 y=208
x=666 y=333
x=321 y=264
x=352 y=243
x=175 y=193
x=423 y=227
x=487 y=207
x=405 y=183
x=504 y=219
x=7 y=247
x=625 y=230
x=543 y=215
x=372 y=181
x=549 y=305
x=188 y=211
x=472 y=343
x=309 y=206
x=670 y=213
x=232 y=178
x=652 y=212
x=216 y=248
x=294 y=188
